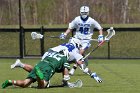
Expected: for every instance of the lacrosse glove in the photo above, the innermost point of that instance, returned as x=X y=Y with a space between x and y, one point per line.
x=62 y=36
x=100 y=38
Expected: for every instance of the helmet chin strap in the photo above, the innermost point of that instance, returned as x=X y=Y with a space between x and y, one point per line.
x=84 y=19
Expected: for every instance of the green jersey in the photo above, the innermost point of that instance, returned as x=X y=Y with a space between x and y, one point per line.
x=56 y=60
x=53 y=62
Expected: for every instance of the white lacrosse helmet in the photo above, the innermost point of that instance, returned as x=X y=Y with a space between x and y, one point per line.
x=84 y=11
x=76 y=42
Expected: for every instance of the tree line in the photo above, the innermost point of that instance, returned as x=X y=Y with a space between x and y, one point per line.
x=49 y=12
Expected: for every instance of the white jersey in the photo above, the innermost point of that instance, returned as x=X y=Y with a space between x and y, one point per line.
x=84 y=29
x=73 y=51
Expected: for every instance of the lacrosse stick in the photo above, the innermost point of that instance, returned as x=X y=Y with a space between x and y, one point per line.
x=36 y=35
x=111 y=32
x=77 y=84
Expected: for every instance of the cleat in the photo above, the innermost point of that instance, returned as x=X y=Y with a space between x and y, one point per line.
x=48 y=85
x=97 y=78
x=6 y=84
x=39 y=73
x=16 y=64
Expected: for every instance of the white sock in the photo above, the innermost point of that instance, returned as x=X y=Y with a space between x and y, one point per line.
x=22 y=65
x=14 y=81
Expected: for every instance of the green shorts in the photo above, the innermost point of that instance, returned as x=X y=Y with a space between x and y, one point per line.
x=46 y=69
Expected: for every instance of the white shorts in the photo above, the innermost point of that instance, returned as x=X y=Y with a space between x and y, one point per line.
x=85 y=44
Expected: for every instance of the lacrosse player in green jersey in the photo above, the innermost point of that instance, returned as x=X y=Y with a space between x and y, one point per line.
x=73 y=48
x=44 y=70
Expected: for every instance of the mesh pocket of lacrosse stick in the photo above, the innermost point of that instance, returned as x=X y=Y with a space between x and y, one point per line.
x=77 y=84
x=35 y=35
x=111 y=32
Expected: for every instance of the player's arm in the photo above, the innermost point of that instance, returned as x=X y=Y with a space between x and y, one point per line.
x=100 y=36
x=98 y=26
x=70 y=28
x=100 y=32
x=68 y=31
x=64 y=35
x=66 y=75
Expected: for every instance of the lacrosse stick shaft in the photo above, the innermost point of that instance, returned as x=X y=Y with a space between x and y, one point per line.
x=71 y=37
x=111 y=32
x=36 y=35
x=100 y=44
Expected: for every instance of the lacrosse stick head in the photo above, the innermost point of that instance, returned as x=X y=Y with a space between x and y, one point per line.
x=77 y=84
x=35 y=35
x=111 y=32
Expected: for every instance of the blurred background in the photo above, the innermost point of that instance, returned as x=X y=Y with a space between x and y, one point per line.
x=18 y=18
x=50 y=12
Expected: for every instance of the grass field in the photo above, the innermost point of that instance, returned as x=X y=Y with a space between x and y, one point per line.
x=119 y=76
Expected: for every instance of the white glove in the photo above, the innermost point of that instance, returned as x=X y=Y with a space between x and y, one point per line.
x=100 y=38
x=62 y=36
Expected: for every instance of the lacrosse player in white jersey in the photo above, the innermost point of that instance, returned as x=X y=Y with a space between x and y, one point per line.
x=84 y=26
x=73 y=52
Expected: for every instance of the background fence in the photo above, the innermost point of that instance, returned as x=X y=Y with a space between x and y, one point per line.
x=17 y=43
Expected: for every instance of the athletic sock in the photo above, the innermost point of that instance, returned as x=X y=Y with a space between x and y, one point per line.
x=22 y=65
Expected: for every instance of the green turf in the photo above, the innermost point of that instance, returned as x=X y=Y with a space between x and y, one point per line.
x=119 y=76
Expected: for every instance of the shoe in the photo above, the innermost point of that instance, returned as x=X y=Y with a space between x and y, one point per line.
x=6 y=84
x=39 y=73
x=16 y=64
x=48 y=85
x=64 y=83
x=97 y=78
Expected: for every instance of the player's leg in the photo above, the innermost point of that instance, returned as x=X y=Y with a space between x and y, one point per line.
x=20 y=83
x=92 y=75
x=85 y=46
x=89 y=72
x=40 y=78
x=72 y=70
x=19 y=64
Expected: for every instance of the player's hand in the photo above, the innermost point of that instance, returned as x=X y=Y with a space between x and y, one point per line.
x=62 y=36
x=100 y=38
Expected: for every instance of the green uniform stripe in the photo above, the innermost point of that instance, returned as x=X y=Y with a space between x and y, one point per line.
x=67 y=65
